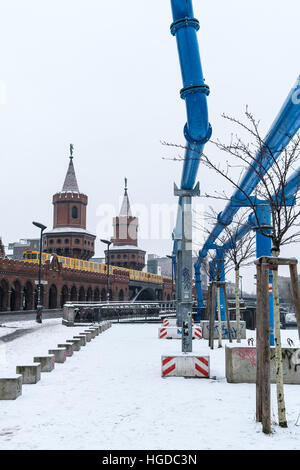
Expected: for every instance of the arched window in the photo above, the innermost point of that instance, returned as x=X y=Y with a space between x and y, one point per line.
x=74 y=212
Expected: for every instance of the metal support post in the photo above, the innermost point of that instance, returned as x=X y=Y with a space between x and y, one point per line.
x=185 y=283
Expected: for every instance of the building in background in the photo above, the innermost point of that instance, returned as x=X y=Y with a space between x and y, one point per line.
x=16 y=249
x=285 y=289
x=2 y=249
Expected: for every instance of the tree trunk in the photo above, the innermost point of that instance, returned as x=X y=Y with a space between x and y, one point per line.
x=278 y=352
x=237 y=305
x=219 y=318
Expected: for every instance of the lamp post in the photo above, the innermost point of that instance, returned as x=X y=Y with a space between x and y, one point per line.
x=39 y=307
x=171 y=258
x=107 y=243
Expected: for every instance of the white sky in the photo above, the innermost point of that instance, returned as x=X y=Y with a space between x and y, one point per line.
x=105 y=76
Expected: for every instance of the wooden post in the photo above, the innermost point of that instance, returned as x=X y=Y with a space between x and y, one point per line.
x=212 y=316
x=207 y=310
x=265 y=343
x=227 y=314
x=296 y=293
x=258 y=344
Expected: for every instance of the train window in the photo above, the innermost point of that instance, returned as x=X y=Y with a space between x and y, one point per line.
x=62 y=260
x=86 y=265
x=68 y=262
x=74 y=212
x=34 y=256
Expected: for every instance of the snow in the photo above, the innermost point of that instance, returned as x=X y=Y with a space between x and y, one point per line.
x=110 y=395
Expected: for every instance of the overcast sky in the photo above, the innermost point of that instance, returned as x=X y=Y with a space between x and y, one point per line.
x=105 y=76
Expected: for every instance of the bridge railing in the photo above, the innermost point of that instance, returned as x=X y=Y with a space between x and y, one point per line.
x=78 y=312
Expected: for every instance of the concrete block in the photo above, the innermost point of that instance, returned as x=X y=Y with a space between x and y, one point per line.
x=31 y=373
x=76 y=344
x=10 y=387
x=69 y=348
x=205 y=329
x=94 y=333
x=81 y=338
x=95 y=329
x=241 y=364
x=47 y=362
x=173 y=332
x=88 y=336
x=60 y=354
x=185 y=365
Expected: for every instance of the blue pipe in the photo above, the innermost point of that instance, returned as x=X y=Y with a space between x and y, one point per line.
x=282 y=130
x=197 y=131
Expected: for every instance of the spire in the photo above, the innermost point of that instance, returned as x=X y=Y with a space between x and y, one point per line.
x=70 y=183
x=125 y=208
x=2 y=249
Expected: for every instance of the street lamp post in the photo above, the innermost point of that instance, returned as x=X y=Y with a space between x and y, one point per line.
x=39 y=307
x=171 y=258
x=107 y=243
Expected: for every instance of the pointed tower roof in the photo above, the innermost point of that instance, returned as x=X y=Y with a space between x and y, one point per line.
x=70 y=184
x=125 y=208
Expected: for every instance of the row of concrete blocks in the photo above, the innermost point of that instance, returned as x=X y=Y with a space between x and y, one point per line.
x=11 y=386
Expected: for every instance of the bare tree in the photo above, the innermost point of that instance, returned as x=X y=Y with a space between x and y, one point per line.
x=239 y=251
x=272 y=169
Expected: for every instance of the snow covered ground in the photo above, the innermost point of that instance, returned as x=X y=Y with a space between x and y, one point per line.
x=110 y=395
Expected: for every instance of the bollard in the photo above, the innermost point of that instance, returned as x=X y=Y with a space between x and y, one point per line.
x=75 y=343
x=88 y=336
x=47 y=362
x=60 y=354
x=31 y=373
x=10 y=387
x=81 y=338
x=69 y=348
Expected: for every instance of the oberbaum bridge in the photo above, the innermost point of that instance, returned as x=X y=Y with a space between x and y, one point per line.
x=71 y=280
x=68 y=274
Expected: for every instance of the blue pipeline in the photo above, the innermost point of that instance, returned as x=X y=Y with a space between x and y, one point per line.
x=220 y=266
x=197 y=131
x=198 y=284
x=282 y=131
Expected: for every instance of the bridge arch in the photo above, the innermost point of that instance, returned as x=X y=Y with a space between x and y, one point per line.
x=28 y=296
x=64 y=295
x=53 y=296
x=73 y=294
x=4 y=289
x=146 y=293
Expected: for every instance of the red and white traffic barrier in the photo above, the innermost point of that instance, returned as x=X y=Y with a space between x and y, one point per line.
x=197 y=332
x=162 y=333
x=173 y=332
x=172 y=322
x=185 y=365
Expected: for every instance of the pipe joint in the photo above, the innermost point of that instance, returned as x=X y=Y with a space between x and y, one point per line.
x=184 y=23
x=200 y=140
x=194 y=89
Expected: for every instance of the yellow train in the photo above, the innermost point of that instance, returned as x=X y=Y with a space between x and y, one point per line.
x=83 y=265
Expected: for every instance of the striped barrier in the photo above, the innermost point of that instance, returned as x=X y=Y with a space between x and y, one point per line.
x=172 y=322
x=173 y=332
x=185 y=366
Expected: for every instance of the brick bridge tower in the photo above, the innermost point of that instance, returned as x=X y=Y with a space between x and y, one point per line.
x=2 y=249
x=69 y=236
x=124 y=250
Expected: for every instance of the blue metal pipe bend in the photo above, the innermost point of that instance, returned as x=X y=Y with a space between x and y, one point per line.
x=197 y=130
